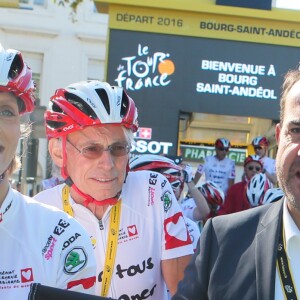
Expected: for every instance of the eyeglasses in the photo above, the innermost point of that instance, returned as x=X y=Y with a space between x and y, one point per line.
x=251 y=168
x=223 y=149
x=95 y=151
x=258 y=148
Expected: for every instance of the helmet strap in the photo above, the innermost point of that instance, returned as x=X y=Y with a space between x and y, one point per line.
x=89 y=199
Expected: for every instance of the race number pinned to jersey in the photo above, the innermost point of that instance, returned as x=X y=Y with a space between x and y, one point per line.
x=176 y=234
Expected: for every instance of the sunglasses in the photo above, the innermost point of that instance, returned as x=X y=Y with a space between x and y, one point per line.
x=95 y=151
x=251 y=168
x=223 y=149
x=257 y=148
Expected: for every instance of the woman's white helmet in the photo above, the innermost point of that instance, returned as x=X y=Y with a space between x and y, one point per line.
x=256 y=189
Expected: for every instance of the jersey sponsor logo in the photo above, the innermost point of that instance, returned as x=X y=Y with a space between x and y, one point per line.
x=76 y=259
x=50 y=238
x=128 y=234
x=176 y=234
x=151 y=192
x=61 y=226
x=85 y=282
x=26 y=275
x=167 y=200
x=132 y=271
x=8 y=278
x=49 y=253
x=70 y=240
x=132 y=230
x=146 y=293
x=164 y=182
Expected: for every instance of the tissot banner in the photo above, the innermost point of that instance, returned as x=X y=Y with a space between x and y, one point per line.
x=169 y=74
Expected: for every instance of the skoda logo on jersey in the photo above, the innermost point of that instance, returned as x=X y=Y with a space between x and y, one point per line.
x=76 y=260
x=70 y=240
x=167 y=199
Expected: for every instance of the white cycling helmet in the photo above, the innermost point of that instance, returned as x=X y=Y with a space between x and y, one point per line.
x=89 y=103
x=273 y=195
x=160 y=164
x=16 y=77
x=256 y=189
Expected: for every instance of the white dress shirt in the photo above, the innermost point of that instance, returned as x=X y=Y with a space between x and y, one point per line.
x=292 y=239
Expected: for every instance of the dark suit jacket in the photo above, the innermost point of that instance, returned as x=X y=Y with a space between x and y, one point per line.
x=238 y=255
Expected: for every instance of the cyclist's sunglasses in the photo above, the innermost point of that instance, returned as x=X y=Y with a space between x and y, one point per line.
x=95 y=151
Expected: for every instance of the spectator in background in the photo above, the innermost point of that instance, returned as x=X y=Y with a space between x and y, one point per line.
x=236 y=198
x=260 y=145
x=218 y=168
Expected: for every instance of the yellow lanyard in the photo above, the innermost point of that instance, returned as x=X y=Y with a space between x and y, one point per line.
x=111 y=249
x=112 y=242
x=65 y=201
x=284 y=269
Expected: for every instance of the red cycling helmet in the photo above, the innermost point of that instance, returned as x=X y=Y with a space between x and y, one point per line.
x=252 y=158
x=260 y=141
x=16 y=77
x=222 y=143
x=160 y=164
x=89 y=103
x=213 y=194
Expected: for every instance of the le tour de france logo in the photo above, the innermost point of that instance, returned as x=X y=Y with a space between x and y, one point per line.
x=145 y=69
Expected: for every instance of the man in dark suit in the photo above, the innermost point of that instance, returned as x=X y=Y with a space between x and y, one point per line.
x=254 y=254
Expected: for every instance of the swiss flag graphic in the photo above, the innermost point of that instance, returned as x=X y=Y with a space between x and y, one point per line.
x=145 y=133
x=26 y=275
x=174 y=235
